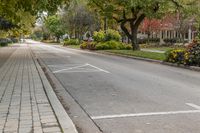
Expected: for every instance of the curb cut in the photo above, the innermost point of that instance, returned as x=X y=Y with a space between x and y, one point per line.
x=66 y=124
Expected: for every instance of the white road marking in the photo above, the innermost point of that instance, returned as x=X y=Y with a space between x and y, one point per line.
x=66 y=70
x=98 y=68
x=145 y=114
x=64 y=65
x=81 y=71
x=70 y=68
x=193 y=105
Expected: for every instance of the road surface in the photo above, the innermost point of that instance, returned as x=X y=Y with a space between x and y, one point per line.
x=124 y=95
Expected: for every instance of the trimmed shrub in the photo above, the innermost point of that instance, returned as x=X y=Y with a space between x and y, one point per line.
x=4 y=42
x=128 y=46
x=112 y=35
x=178 y=56
x=14 y=40
x=149 y=45
x=71 y=42
x=99 y=36
x=88 y=45
x=102 y=46
x=194 y=53
x=91 y=45
x=107 y=45
x=83 y=45
x=113 y=45
x=170 y=41
x=145 y=40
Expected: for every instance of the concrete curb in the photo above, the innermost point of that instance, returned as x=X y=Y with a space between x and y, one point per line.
x=83 y=122
x=193 y=68
x=63 y=118
x=132 y=57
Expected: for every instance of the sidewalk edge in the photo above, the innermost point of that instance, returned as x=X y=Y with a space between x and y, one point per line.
x=64 y=120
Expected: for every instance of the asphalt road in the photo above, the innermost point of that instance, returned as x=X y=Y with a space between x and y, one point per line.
x=125 y=95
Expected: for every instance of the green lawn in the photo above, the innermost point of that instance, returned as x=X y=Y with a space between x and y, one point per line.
x=161 y=48
x=143 y=54
x=164 y=48
x=74 y=46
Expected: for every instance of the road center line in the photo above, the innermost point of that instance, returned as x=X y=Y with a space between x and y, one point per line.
x=193 y=105
x=145 y=114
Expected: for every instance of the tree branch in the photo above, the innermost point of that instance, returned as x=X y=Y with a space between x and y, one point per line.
x=176 y=3
x=125 y=30
x=139 y=20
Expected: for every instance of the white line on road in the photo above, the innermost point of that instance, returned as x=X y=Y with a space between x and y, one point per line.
x=98 y=68
x=64 y=65
x=80 y=66
x=70 y=68
x=81 y=71
x=193 y=105
x=145 y=114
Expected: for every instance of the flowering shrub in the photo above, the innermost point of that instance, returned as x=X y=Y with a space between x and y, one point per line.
x=179 y=56
x=189 y=56
x=194 y=53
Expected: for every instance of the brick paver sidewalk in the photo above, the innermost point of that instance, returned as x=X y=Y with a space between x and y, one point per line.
x=24 y=106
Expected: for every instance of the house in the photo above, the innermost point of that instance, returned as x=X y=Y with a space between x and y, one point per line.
x=170 y=27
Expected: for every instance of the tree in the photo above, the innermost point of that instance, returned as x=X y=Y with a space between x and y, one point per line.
x=12 y=12
x=53 y=24
x=129 y=14
x=78 y=19
x=5 y=24
x=150 y=25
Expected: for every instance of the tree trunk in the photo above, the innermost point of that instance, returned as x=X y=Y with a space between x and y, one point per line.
x=132 y=37
x=57 y=39
x=134 y=25
x=105 y=24
x=148 y=38
x=134 y=40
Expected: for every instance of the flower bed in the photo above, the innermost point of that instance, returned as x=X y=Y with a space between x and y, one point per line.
x=189 y=56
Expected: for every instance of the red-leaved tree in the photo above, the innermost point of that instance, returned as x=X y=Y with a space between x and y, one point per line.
x=150 y=25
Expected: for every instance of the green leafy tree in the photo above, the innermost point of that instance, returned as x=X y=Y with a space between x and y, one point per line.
x=78 y=19
x=53 y=24
x=13 y=12
x=129 y=14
